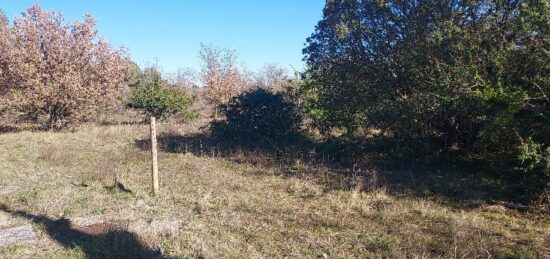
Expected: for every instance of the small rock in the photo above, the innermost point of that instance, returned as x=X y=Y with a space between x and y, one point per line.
x=20 y=234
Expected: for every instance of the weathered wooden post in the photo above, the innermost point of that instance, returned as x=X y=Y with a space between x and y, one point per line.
x=154 y=164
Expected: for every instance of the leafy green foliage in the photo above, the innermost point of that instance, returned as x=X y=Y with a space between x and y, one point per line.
x=154 y=96
x=465 y=80
x=534 y=156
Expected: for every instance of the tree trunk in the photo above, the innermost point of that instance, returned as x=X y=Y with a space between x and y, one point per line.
x=216 y=113
x=154 y=165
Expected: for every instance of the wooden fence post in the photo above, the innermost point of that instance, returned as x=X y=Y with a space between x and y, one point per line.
x=154 y=165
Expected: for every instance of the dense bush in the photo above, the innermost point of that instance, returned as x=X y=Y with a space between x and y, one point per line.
x=465 y=81
x=56 y=74
x=258 y=117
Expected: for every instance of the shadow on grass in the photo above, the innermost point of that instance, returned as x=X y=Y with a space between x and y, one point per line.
x=12 y=129
x=118 y=186
x=96 y=241
x=206 y=145
x=327 y=164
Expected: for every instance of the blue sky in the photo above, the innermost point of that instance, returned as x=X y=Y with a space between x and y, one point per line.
x=262 y=31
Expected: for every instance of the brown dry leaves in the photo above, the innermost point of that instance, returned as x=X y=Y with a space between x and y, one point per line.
x=57 y=70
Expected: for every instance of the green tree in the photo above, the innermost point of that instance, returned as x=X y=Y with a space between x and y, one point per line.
x=444 y=79
x=154 y=96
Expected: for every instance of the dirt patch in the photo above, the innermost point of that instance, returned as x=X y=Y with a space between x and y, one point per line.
x=100 y=228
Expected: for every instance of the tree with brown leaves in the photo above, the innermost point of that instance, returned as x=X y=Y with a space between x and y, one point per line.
x=220 y=75
x=271 y=77
x=56 y=73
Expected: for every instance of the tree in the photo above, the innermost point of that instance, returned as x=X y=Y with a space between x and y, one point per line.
x=219 y=74
x=444 y=79
x=184 y=78
x=157 y=99
x=7 y=54
x=134 y=73
x=57 y=74
x=271 y=77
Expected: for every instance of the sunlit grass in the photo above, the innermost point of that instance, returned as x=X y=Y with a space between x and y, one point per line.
x=215 y=207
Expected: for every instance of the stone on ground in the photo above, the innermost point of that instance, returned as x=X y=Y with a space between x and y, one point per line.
x=20 y=234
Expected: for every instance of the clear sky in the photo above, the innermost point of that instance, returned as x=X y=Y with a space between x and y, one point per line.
x=262 y=31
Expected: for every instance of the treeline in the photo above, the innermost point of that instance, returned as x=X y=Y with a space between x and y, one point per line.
x=55 y=74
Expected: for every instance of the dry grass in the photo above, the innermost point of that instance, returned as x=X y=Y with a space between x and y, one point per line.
x=214 y=207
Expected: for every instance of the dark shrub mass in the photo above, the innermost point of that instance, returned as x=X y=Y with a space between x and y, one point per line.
x=258 y=117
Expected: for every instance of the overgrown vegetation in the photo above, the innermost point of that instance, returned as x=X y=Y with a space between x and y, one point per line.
x=461 y=82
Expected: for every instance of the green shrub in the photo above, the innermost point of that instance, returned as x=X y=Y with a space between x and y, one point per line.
x=156 y=98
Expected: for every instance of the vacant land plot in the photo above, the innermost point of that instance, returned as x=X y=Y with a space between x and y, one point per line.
x=87 y=184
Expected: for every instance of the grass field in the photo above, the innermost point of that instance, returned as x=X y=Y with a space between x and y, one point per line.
x=212 y=206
